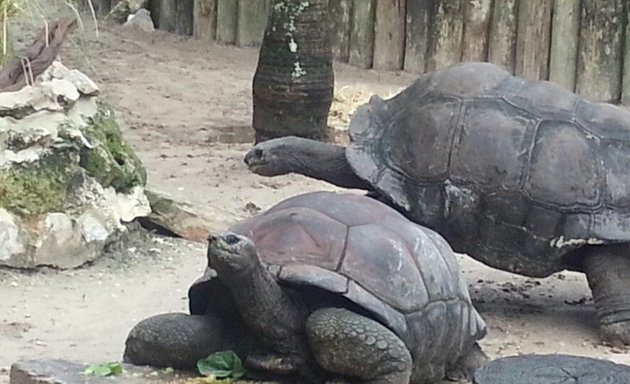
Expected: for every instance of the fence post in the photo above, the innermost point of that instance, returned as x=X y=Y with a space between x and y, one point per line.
x=205 y=19
x=227 y=19
x=502 y=35
x=565 y=33
x=599 y=53
x=252 y=19
x=389 y=34
x=184 y=17
x=340 y=16
x=362 y=34
x=445 y=34
x=476 y=20
x=533 y=39
x=416 y=34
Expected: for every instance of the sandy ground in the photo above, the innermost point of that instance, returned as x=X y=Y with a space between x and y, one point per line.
x=187 y=108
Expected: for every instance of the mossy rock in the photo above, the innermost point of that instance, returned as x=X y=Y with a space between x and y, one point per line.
x=111 y=161
x=35 y=188
x=38 y=188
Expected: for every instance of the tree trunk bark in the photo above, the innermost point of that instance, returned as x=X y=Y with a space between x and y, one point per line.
x=293 y=83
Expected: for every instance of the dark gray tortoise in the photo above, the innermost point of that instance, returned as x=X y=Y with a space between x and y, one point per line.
x=329 y=286
x=522 y=175
x=552 y=369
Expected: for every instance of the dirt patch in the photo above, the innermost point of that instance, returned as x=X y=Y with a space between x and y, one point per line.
x=187 y=109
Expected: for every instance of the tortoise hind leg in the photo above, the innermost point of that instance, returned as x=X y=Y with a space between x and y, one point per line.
x=351 y=345
x=176 y=340
x=608 y=272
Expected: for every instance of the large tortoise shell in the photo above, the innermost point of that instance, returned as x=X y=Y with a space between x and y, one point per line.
x=405 y=275
x=516 y=173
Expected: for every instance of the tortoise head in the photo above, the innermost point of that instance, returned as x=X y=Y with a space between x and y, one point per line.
x=274 y=157
x=230 y=253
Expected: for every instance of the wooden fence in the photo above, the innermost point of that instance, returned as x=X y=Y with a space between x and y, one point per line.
x=583 y=45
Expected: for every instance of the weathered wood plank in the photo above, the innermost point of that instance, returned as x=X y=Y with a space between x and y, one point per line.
x=476 y=24
x=389 y=34
x=227 y=19
x=446 y=33
x=205 y=19
x=599 y=54
x=416 y=34
x=565 y=32
x=184 y=17
x=362 y=34
x=502 y=35
x=165 y=14
x=533 y=39
x=625 y=85
x=252 y=19
x=340 y=16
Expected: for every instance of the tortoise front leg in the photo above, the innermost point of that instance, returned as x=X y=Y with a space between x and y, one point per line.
x=608 y=272
x=349 y=344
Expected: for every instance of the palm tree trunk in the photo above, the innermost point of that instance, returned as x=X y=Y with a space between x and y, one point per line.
x=294 y=80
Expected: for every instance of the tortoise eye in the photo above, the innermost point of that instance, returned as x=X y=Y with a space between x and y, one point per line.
x=231 y=239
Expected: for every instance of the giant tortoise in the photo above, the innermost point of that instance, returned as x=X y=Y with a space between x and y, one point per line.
x=524 y=176
x=330 y=286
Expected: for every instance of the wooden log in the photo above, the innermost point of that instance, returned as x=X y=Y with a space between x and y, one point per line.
x=446 y=33
x=389 y=34
x=184 y=17
x=252 y=19
x=362 y=34
x=599 y=55
x=340 y=16
x=502 y=35
x=227 y=19
x=205 y=19
x=533 y=39
x=165 y=14
x=416 y=34
x=476 y=24
x=565 y=32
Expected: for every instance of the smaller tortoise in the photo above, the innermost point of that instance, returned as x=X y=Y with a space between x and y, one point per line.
x=521 y=175
x=552 y=369
x=325 y=286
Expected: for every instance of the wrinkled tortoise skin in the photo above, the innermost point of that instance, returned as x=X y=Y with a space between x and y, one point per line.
x=515 y=173
x=404 y=275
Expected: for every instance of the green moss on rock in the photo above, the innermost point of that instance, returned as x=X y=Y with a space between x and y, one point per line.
x=40 y=187
x=112 y=161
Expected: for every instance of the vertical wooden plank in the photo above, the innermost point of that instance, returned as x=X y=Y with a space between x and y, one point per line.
x=625 y=95
x=205 y=19
x=476 y=25
x=565 y=32
x=252 y=19
x=416 y=34
x=362 y=34
x=446 y=33
x=165 y=17
x=533 y=39
x=599 y=53
x=184 y=17
x=389 y=34
x=227 y=19
x=502 y=35
x=340 y=16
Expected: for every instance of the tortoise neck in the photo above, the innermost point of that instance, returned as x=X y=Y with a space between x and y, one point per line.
x=326 y=162
x=267 y=309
